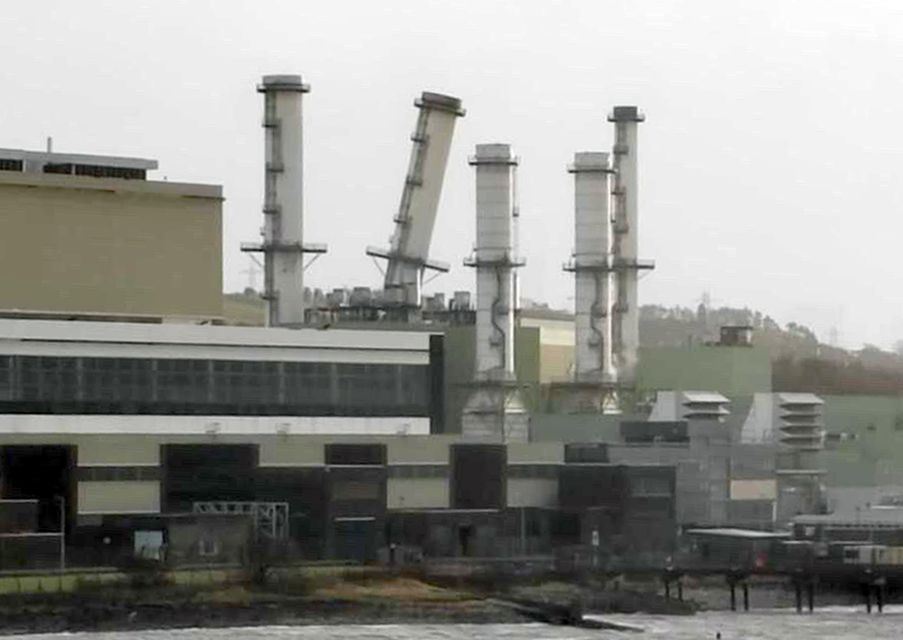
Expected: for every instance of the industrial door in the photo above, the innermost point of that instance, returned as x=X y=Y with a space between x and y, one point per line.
x=355 y=539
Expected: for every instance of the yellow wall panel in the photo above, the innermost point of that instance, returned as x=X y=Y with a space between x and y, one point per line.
x=417 y=493
x=118 y=497
x=133 y=247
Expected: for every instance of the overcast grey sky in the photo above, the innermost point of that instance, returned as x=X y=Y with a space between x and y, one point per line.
x=768 y=163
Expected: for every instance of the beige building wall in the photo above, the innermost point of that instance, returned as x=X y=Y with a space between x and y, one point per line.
x=417 y=493
x=130 y=496
x=139 y=450
x=556 y=363
x=424 y=449
x=535 y=453
x=290 y=452
x=106 y=246
x=754 y=490
x=532 y=492
x=100 y=449
x=556 y=347
x=118 y=450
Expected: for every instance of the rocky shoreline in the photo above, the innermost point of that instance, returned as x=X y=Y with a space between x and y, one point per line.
x=366 y=596
x=135 y=616
x=384 y=600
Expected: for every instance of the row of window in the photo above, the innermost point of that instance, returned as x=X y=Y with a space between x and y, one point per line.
x=118 y=474
x=95 y=171
x=544 y=471
x=418 y=471
x=355 y=388
x=647 y=486
x=67 y=168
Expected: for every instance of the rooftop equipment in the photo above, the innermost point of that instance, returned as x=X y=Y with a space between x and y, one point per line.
x=77 y=164
x=626 y=264
x=495 y=409
x=283 y=244
x=408 y=254
x=689 y=405
x=736 y=336
x=461 y=300
x=795 y=423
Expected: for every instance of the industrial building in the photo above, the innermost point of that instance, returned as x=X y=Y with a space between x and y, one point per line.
x=133 y=424
x=371 y=421
x=100 y=239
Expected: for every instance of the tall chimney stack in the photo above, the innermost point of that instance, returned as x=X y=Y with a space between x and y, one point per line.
x=626 y=264
x=408 y=253
x=495 y=410
x=592 y=267
x=283 y=231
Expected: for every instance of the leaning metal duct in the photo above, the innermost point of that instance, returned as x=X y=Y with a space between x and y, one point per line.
x=594 y=374
x=495 y=409
x=283 y=244
x=626 y=265
x=408 y=253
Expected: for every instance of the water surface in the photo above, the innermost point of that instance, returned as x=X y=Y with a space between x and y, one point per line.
x=829 y=623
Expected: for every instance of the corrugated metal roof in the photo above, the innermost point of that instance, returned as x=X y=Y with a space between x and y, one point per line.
x=707 y=397
x=188 y=334
x=740 y=534
x=799 y=398
x=876 y=516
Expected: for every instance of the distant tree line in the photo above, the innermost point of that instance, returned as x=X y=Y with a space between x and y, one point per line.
x=829 y=377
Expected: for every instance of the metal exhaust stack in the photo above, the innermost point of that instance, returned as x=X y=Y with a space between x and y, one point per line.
x=626 y=264
x=495 y=410
x=594 y=373
x=283 y=244
x=408 y=253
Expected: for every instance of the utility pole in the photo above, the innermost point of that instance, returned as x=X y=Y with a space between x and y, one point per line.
x=62 y=501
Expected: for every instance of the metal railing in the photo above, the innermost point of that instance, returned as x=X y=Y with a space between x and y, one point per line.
x=270 y=518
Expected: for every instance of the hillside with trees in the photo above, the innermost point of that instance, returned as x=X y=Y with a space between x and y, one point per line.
x=800 y=361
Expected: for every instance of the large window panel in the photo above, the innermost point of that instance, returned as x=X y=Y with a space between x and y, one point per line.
x=6 y=378
x=308 y=383
x=48 y=378
x=117 y=380
x=245 y=383
x=183 y=381
x=92 y=385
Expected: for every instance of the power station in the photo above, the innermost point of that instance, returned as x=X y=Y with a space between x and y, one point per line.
x=364 y=418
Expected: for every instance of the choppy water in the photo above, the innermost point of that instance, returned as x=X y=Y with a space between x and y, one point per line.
x=831 y=623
